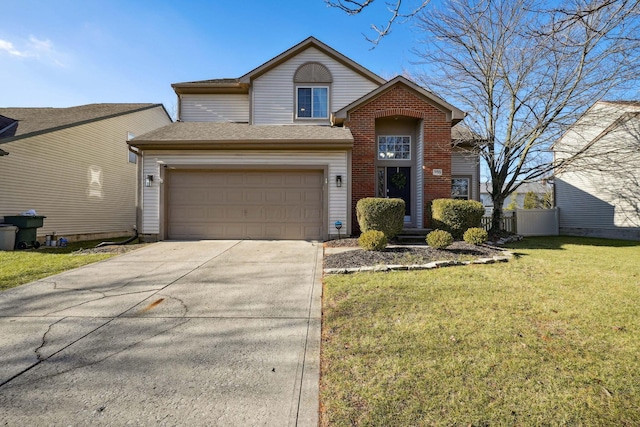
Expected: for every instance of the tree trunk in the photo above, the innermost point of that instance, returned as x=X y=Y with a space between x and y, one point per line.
x=496 y=215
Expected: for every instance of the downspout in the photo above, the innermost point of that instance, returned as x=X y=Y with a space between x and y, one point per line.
x=139 y=188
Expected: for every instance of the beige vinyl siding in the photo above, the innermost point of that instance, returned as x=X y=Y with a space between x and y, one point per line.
x=215 y=108
x=336 y=163
x=273 y=92
x=466 y=164
x=79 y=178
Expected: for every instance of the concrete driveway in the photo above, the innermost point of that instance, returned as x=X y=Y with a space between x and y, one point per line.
x=177 y=333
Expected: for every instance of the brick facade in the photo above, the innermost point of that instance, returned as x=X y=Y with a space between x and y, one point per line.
x=399 y=100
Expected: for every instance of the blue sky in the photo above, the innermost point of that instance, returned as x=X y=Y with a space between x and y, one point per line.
x=71 y=52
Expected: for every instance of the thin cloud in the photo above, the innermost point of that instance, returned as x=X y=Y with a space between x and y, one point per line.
x=34 y=48
x=8 y=47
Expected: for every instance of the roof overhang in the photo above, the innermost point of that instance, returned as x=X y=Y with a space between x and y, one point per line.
x=209 y=88
x=232 y=145
x=453 y=114
x=239 y=136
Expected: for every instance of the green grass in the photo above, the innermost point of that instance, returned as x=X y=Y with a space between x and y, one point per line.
x=20 y=267
x=550 y=338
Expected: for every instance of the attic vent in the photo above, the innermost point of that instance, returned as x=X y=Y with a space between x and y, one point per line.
x=312 y=72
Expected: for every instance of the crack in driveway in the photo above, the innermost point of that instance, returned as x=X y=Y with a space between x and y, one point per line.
x=110 y=319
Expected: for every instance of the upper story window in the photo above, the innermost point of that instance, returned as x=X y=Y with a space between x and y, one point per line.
x=312 y=85
x=394 y=147
x=313 y=102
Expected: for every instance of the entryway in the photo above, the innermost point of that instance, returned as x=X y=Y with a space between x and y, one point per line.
x=396 y=183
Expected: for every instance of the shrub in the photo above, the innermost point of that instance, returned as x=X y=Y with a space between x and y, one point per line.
x=475 y=236
x=456 y=216
x=372 y=240
x=439 y=239
x=386 y=215
x=531 y=200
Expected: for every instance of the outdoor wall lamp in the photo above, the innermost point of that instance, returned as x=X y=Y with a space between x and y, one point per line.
x=148 y=180
x=338 y=180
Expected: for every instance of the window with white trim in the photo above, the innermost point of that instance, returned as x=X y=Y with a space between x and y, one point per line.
x=394 y=147
x=460 y=188
x=312 y=102
x=133 y=158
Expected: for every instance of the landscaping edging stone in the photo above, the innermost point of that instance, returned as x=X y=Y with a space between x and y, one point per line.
x=505 y=257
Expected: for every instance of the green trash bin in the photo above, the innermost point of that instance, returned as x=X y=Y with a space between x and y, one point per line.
x=27 y=230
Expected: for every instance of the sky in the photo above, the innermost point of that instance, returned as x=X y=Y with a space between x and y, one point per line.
x=71 y=52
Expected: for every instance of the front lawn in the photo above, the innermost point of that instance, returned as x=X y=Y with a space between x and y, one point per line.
x=20 y=267
x=550 y=338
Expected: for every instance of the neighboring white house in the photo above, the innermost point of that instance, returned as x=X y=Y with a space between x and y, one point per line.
x=73 y=166
x=540 y=189
x=287 y=150
x=599 y=193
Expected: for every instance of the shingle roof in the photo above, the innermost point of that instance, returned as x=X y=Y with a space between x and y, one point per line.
x=462 y=133
x=536 y=187
x=40 y=120
x=213 y=81
x=621 y=102
x=209 y=131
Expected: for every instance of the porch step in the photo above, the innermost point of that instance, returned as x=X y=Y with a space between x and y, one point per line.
x=413 y=235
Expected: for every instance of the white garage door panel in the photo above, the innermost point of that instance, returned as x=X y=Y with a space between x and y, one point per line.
x=245 y=205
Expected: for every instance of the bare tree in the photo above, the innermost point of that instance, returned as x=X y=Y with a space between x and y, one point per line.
x=397 y=12
x=524 y=70
x=524 y=73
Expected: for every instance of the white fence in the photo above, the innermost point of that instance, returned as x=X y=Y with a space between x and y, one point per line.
x=509 y=222
x=529 y=222
x=537 y=222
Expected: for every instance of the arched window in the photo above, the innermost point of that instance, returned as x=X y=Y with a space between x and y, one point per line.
x=312 y=81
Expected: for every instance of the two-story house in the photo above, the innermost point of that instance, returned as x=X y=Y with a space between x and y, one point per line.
x=287 y=150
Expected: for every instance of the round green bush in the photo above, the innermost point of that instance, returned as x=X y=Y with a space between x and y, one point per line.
x=373 y=240
x=439 y=239
x=475 y=236
x=456 y=216
x=386 y=215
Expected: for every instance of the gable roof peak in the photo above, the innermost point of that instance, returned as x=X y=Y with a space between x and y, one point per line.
x=302 y=46
x=454 y=114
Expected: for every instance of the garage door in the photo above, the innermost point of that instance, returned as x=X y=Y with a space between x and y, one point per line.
x=244 y=204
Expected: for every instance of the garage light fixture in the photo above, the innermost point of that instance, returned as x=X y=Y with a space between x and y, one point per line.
x=338 y=180
x=148 y=180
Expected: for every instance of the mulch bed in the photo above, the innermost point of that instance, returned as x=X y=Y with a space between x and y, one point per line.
x=404 y=255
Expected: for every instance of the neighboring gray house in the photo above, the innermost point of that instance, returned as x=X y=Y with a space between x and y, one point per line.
x=73 y=166
x=539 y=188
x=599 y=193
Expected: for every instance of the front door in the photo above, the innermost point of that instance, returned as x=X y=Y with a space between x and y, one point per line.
x=398 y=183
